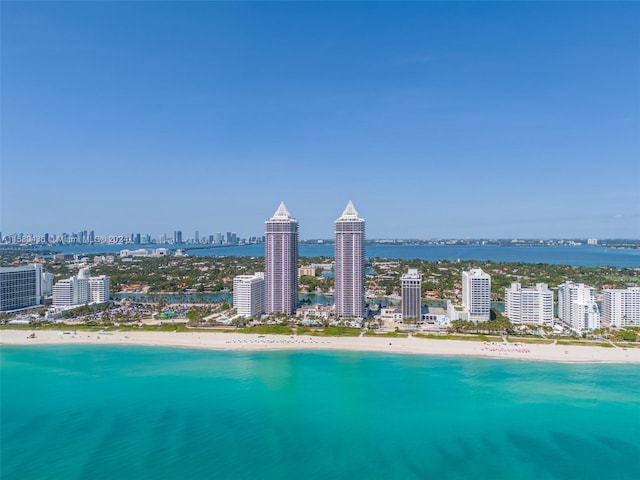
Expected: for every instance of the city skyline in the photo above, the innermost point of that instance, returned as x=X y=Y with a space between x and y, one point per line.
x=490 y=119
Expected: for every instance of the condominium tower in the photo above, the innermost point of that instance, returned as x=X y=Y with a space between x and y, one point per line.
x=248 y=294
x=281 y=262
x=20 y=287
x=532 y=305
x=411 y=289
x=81 y=289
x=349 y=272
x=476 y=294
x=621 y=307
x=577 y=306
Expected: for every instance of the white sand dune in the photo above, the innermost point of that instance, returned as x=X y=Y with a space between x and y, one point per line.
x=254 y=342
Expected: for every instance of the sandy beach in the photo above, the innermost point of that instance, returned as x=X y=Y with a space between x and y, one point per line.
x=254 y=342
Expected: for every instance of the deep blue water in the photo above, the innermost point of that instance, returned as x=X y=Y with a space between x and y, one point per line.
x=100 y=412
x=592 y=256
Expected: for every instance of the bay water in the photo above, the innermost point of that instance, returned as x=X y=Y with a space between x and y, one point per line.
x=577 y=256
x=105 y=412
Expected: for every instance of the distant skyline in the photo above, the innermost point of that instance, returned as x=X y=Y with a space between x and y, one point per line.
x=437 y=119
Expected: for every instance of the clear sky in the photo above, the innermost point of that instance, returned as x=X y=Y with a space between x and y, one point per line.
x=438 y=119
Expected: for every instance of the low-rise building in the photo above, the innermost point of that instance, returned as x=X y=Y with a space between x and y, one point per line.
x=306 y=270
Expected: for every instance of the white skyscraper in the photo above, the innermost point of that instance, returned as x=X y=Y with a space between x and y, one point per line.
x=81 y=289
x=577 y=306
x=529 y=305
x=281 y=262
x=99 y=289
x=476 y=294
x=248 y=294
x=411 y=295
x=621 y=307
x=349 y=264
x=70 y=291
x=20 y=287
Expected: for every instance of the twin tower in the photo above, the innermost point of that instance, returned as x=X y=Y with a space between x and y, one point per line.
x=281 y=263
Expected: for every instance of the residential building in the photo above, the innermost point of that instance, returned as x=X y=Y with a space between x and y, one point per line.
x=249 y=294
x=47 y=283
x=621 y=307
x=533 y=305
x=476 y=294
x=307 y=270
x=81 y=289
x=411 y=300
x=99 y=289
x=20 y=287
x=281 y=262
x=349 y=293
x=577 y=306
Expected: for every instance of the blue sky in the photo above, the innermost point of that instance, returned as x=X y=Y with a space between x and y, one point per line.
x=438 y=119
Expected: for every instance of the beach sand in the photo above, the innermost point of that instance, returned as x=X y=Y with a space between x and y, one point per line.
x=254 y=342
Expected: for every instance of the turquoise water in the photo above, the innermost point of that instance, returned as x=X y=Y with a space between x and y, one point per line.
x=129 y=412
x=578 y=256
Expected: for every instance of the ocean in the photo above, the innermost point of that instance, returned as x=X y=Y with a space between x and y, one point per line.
x=105 y=412
x=577 y=256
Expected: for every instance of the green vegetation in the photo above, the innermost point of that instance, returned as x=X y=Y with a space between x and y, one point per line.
x=585 y=343
x=471 y=338
x=268 y=330
x=329 y=331
x=85 y=310
x=499 y=325
x=393 y=334
x=215 y=274
x=541 y=341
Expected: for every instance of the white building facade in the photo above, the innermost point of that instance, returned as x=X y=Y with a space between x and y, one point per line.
x=533 y=306
x=81 y=289
x=411 y=295
x=249 y=294
x=20 y=287
x=281 y=262
x=476 y=294
x=577 y=306
x=621 y=307
x=349 y=292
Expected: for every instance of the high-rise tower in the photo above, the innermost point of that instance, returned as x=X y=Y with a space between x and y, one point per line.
x=349 y=266
x=476 y=294
x=577 y=306
x=411 y=290
x=281 y=262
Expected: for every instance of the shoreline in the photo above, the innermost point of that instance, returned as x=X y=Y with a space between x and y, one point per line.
x=250 y=342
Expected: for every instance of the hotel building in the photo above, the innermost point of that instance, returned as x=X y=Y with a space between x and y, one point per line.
x=532 y=305
x=411 y=301
x=248 y=294
x=621 y=307
x=20 y=287
x=81 y=289
x=577 y=306
x=281 y=262
x=349 y=271
x=476 y=294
